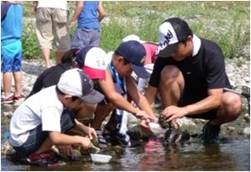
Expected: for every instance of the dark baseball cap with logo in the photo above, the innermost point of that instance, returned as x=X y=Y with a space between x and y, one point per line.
x=134 y=53
x=172 y=31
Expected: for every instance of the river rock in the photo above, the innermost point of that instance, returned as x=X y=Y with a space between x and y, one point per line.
x=6 y=148
x=246 y=131
x=246 y=117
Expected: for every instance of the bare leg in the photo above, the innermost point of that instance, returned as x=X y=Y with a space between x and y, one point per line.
x=18 y=83
x=46 y=145
x=229 y=110
x=171 y=85
x=101 y=113
x=46 y=54
x=7 y=77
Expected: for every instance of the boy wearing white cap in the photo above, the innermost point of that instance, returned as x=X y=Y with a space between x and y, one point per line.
x=190 y=76
x=39 y=122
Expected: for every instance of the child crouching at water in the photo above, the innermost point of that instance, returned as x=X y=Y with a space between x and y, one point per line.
x=39 y=123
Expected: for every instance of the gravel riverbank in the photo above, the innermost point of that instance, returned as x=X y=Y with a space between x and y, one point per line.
x=237 y=70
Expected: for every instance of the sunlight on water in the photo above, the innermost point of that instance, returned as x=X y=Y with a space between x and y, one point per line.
x=230 y=154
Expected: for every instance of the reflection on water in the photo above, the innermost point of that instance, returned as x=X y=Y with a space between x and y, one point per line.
x=233 y=155
x=153 y=155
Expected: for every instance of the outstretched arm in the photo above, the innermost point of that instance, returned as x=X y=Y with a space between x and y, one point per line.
x=91 y=133
x=150 y=94
x=211 y=102
x=138 y=98
x=58 y=138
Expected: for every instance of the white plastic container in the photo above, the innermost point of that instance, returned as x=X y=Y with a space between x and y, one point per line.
x=101 y=158
x=157 y=129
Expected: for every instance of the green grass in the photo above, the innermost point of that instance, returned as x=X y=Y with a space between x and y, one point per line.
x=227 y=23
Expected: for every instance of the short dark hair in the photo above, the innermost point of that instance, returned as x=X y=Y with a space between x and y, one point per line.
x=68 y=56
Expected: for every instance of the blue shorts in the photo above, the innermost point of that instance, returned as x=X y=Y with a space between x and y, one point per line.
x=85 y=37
x=37 y=136
x=11 y=56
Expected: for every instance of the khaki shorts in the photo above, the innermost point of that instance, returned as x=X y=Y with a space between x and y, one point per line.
x=52 y=28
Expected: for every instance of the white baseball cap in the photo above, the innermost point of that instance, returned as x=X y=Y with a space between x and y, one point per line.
x=93 y=61
x=132 y=38
x=76 y=83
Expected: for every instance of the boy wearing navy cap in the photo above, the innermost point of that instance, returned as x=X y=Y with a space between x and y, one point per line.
x=119 y=87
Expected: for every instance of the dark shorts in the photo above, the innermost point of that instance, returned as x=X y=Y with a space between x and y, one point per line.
x=207 y=115
x=37 y=136
x=189 y=99
x=85 y=37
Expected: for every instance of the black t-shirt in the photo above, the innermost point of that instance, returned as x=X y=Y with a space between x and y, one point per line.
x=204 y=71
x=49 y=77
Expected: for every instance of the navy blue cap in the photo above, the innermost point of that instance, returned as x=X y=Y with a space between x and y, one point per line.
x=135 y=53
x=80 y=55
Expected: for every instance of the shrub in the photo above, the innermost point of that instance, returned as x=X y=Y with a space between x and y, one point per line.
x=226 y=23
x=29 y=42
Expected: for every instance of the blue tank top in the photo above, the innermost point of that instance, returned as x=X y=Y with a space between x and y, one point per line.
x=11 y=26
x=88 y=18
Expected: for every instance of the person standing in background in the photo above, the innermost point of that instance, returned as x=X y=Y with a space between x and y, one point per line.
x=88 y=14
x=11 y=49
x=52 y=27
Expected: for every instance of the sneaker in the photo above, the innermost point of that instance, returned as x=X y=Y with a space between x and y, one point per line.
x=7 y=100
x=123 y=139
x=210 y=133
x=101 y=139
x=117 y=138
x=47 y=159
x=18 y=98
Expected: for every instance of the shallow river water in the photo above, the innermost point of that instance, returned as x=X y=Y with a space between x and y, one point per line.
x=230 y=154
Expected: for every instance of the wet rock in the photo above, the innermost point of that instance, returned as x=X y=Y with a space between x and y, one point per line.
x=246 y=131
x=183 y=122
x=163 y=122
x=6 y=148
x=246 y=117
x=230 y=129
x=76 y=155
x=7 y=114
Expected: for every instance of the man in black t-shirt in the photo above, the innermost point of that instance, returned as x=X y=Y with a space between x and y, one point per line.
x=190 y=76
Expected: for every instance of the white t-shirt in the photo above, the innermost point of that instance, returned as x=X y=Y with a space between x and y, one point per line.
x=109 y=57
x=61 y=4
x=43 y=108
